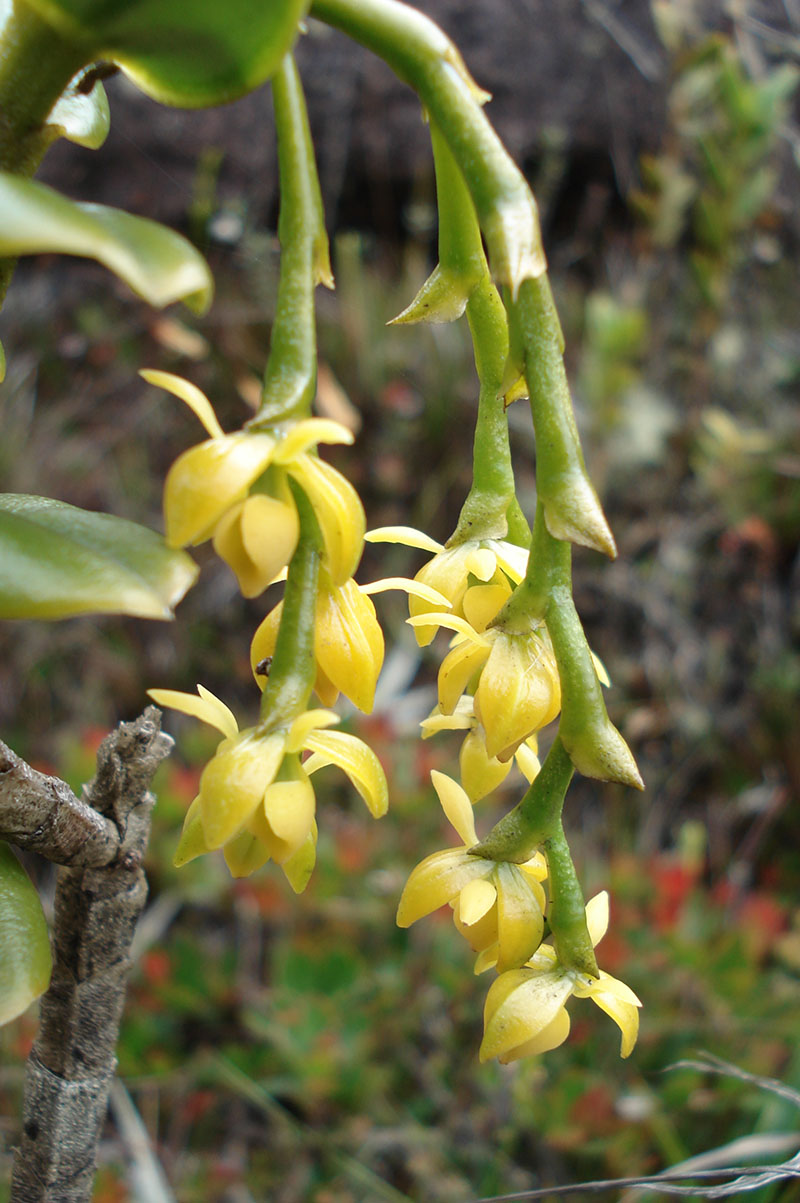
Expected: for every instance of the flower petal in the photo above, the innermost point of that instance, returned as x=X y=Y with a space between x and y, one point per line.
x=520 y=922
x=412 y=588
x=512 y=559
x=461 y=719
x=306 y=434
x=289 y=809
x=348 y=643
x=208 y=708
x=208 y=479
x=244 y=854
x=234 y=782
x=480 y=562
x=482 y=603
x=304 y=724
x=406 y=535
x=519 y=1006
x=197 y=401
x=527 y=759
x=550 y=1037
x=480 y=774
x=625 y=1016
x=193 y=841
x=518 y=693
x=355 y=759
x=456 y=806
x=597 y=913
x=299 y=867
x=475 y=900
x=436 y=880
x=457 y=670
x=338 y=510
x=256 y=539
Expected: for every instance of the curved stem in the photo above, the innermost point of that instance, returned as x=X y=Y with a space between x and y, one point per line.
x=293 y=668
x=290 y=379
x=537 y=817
x=567 y=912
x=424 y=57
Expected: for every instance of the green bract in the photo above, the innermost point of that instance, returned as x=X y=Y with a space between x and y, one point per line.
x=57 y=561
x=25 y=959
x=157 y=263
x=190 y=54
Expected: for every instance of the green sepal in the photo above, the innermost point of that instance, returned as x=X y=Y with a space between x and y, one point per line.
x=81 y=117
x=57 y=561
x=191 y=55
x=25 y=957
x=158 y=264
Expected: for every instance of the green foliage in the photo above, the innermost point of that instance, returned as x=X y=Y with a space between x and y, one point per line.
x=157 y=263
x=718 y=178
x=25 y=960
x=193 y=55
x=57 y=561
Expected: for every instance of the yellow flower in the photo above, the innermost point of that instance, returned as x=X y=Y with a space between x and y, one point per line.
x=525 y=1008
x=495 y=562
x=256 y=801
x=348 y=641
x=497 y=906
x=208 y=493
x=518 y=691
x=480 y=773
x=348 y=644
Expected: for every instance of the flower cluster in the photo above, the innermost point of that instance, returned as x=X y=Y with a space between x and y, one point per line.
x=500 y=909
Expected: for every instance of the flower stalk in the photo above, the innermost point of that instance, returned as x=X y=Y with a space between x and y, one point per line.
x=293 y=668
x=290 y=379
x=426 y=59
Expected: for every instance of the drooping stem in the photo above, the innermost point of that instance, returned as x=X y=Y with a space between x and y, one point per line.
x=424 y=57
x=291 y=373
x=572 y=510
x=72 y=1062
x=293 y=668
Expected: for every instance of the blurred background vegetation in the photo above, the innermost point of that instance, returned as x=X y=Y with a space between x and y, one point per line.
x=305 y=1049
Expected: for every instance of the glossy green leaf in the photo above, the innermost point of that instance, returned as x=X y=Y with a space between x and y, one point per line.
x=57 y=561
x=189 y=54
x=155 y=262
x=82 y=117
x=25 y=958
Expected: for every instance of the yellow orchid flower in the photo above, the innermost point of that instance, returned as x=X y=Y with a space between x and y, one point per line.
x=256 y=800
x=525 y=1009
x=495 y=562
x=348 y=641
x=519 y=689
x=208 y=493
x=480 y=773
x=498 y=906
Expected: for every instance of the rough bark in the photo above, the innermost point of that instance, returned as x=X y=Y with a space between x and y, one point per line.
x=72 y=1062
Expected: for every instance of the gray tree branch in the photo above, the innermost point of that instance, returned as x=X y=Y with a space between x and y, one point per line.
x=72 y=1062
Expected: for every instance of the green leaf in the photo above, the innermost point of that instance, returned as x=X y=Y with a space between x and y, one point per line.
x=57 y=561
x=155 y=262
x=82 y=117
x=190 y=54
x=25 y=958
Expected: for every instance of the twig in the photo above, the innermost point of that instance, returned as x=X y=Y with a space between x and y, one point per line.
x=72 y=1063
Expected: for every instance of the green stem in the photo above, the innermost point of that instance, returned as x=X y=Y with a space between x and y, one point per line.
x=537 y=817
x=567 y=911
x=36 y=65
x=293 y=668
x=596 y=747
x=571 y=508
x=290 y=379
x=424 y=57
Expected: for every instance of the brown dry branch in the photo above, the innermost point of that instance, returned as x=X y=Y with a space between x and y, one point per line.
x=98 y=901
